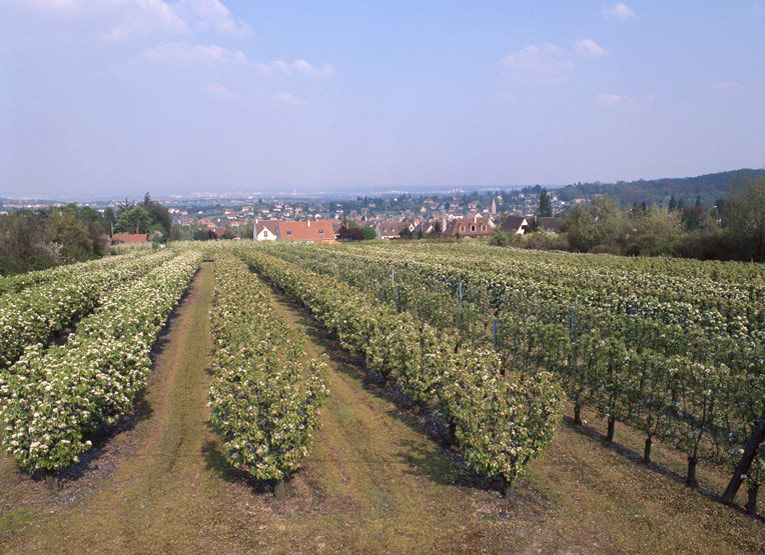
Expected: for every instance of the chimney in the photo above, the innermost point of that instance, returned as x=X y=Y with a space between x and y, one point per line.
x=309 y=223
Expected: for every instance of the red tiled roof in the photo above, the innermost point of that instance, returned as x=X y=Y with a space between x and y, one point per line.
x=319 y=230
x=468 y=227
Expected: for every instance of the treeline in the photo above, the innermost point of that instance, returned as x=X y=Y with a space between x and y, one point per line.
x=732 y=229
x=709 y=187
x=44 y=238
x=40 y=239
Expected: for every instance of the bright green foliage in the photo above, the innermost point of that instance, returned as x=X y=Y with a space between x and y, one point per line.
x=62 y=296
x=462 y=382
x=265 y=396
x=673 y=348
x=52 y=400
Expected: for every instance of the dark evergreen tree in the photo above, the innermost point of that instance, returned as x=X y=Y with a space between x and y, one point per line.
x=545 y=204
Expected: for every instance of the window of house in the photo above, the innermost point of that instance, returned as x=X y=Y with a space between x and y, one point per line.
x=289 y=233
x=483 y=228
x=462 y=228
x=472 y=228
x=321 y=231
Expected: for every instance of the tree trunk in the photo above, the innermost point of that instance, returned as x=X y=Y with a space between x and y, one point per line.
x=509 y=492
x=52 y=481
x=453 y=433
x=577 y=414
x=611 y=428
x=690 y=480
x=280 y=491
x=647 y=450
x=751 y=504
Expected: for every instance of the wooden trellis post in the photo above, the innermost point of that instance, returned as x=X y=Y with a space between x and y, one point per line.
x=745 y=463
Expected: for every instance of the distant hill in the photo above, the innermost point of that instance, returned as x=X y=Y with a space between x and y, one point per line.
x=710 y=187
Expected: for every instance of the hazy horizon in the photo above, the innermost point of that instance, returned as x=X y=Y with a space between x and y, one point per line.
x=105 y=98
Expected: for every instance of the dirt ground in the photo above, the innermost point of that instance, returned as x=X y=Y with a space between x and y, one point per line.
x=377 y=480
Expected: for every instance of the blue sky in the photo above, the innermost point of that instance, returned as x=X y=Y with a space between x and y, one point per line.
x=122 y=96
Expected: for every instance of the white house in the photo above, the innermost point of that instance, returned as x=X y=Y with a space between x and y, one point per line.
x=515 y=224
x=265 y=230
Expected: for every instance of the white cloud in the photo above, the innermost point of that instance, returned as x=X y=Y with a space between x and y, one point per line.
x=619 y=11
x=610 y=99
x=302 y=67
x=549 y=65
x=589 y=48
x=127 y=18
x=536 y=66
x=277 y=67
x=628 y=102
x=185 y=52
x=284 y=98
x=219 y=92
x=57 y=5
x=148 y=16
x=211 y=14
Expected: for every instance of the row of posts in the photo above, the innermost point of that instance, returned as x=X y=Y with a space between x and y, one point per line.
x=459 y=314
x=630 y=311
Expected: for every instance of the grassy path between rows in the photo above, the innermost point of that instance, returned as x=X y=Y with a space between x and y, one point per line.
x=375 y=481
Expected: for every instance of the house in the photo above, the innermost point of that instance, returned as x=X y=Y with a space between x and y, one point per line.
x=129 y=238
x=391 y=229
x=515 y=224
x=547 y=224
x=337 y=226
x=222 y=233
x=424 y=227
x=265 y=230
x=319 y=231
x=468 y=227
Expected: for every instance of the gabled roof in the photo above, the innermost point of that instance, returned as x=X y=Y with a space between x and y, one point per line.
x=514 y=223
x=391 y=228
x=270 y=225
x=319 y=230
x=468 y=227
x=424 y=226
x=548 y=224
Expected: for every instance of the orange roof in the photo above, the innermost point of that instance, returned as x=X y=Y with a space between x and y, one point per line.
x=468 y=227
x=130 y=238
x=319 y=230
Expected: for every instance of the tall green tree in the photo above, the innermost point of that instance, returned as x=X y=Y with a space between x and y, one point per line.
x=656 y=232
x=47 y=237
x=134 y=220
x=746 y=216
x=79 y=237
x=600 y=223
x=545 y=204
x=110 y=219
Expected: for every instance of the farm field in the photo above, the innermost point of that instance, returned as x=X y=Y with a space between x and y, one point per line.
x=379 y=472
